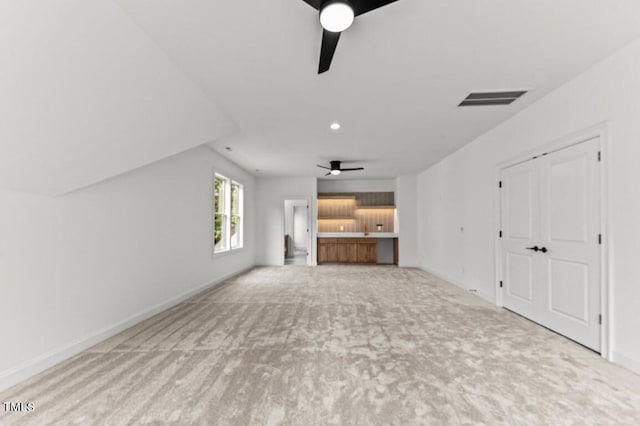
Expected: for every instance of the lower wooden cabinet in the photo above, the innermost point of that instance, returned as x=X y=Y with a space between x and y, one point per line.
x=347 y=250
x=367 y=252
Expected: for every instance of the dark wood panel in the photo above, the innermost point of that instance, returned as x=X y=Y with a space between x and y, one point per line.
x=322 y=252
x=347 y=250
x=367 y=252
x=395 y=251
x=327 y=240
x=343 y=253
x=332 y=252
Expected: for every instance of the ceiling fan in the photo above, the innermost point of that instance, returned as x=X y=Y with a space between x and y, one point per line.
x=335 y=17
x=336 y=170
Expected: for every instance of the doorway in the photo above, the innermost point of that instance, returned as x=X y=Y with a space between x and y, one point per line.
x=296 y=232
x=551 y=241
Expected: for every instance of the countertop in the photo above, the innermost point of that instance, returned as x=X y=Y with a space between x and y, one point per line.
x=357 y=235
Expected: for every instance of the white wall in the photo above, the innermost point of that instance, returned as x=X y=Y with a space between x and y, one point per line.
x=460 y=191
x=356 y=185
x=80 y=267
x=406 y=209
x=270 y=196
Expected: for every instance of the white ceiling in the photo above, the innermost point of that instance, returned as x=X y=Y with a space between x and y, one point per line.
x=396 y=78
x=85 y=95
x=93 y=89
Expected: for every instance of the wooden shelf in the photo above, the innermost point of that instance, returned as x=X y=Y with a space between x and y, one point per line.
x=336 y=218
x=336 y=197
x=375 y=207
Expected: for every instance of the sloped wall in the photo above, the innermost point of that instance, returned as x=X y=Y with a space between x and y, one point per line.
x=77 y=268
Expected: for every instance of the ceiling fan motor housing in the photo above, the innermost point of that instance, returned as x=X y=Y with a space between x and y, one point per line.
x=325 y=3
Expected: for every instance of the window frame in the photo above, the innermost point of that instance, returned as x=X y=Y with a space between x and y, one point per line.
x=227 y=214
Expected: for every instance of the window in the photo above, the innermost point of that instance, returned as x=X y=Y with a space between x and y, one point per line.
x=227 y=215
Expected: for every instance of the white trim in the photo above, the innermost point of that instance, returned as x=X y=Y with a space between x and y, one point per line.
x=457 y=283
x=42 y=362
x=601 y=131
x=626 y=361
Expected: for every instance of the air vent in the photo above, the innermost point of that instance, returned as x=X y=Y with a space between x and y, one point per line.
x=491 y=98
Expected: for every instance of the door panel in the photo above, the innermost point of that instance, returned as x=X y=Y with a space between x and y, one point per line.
x=519 y=224
x=570 y=225
x=519 y=206
x=520 y=276
x=552 y=202
x=569 y=289
x=568 y=185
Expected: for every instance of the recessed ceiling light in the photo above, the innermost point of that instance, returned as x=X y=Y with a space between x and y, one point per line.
x=335 y=126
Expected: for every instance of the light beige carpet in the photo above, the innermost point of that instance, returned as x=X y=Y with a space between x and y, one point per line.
x=344 y=345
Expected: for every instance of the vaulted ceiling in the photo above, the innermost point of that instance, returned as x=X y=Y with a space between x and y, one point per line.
x=92 y=89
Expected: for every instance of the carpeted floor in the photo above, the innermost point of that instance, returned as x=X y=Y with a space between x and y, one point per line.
x=344 y=345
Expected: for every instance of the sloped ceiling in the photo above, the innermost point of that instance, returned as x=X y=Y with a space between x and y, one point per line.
x=92 y=89
x=398 y=74
x=86 y=95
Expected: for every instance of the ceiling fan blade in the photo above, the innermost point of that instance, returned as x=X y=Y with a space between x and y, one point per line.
x=323 y=167
x=329 y=44
x=328 y=174
x=350 y=170
x=313 y=3
x=363 y=6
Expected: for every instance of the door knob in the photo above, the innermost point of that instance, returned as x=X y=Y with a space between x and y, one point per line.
x=543 y=249
x=534 y=248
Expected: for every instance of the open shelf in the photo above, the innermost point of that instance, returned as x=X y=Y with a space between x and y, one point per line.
x=375 y=207
x=336 y=197
x=336 y=218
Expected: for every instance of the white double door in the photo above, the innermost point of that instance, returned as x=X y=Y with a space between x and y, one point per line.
x=550 y=241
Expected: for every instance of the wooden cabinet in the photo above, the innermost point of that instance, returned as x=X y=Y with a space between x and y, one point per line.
x=324 y=244
x=347 y=250
x=367 y=251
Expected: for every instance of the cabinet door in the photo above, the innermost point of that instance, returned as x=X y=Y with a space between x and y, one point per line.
x=372 y=253
x=343 y=253
x=363 y=253
x=322 y=252
x=332 y=252
x=352 y=252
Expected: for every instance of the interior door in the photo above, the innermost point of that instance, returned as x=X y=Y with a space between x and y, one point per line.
x=551 y=251
x=520 y=231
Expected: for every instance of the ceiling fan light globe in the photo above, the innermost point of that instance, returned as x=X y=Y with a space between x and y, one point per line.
x=336 y=17
x=335 y=172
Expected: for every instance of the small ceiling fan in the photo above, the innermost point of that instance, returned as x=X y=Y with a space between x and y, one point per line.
x=335 y=17
x=336 y=170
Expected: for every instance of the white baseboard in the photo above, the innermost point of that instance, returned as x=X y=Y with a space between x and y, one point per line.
x=626 y=361
x=489 y=298
x=36 y=365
